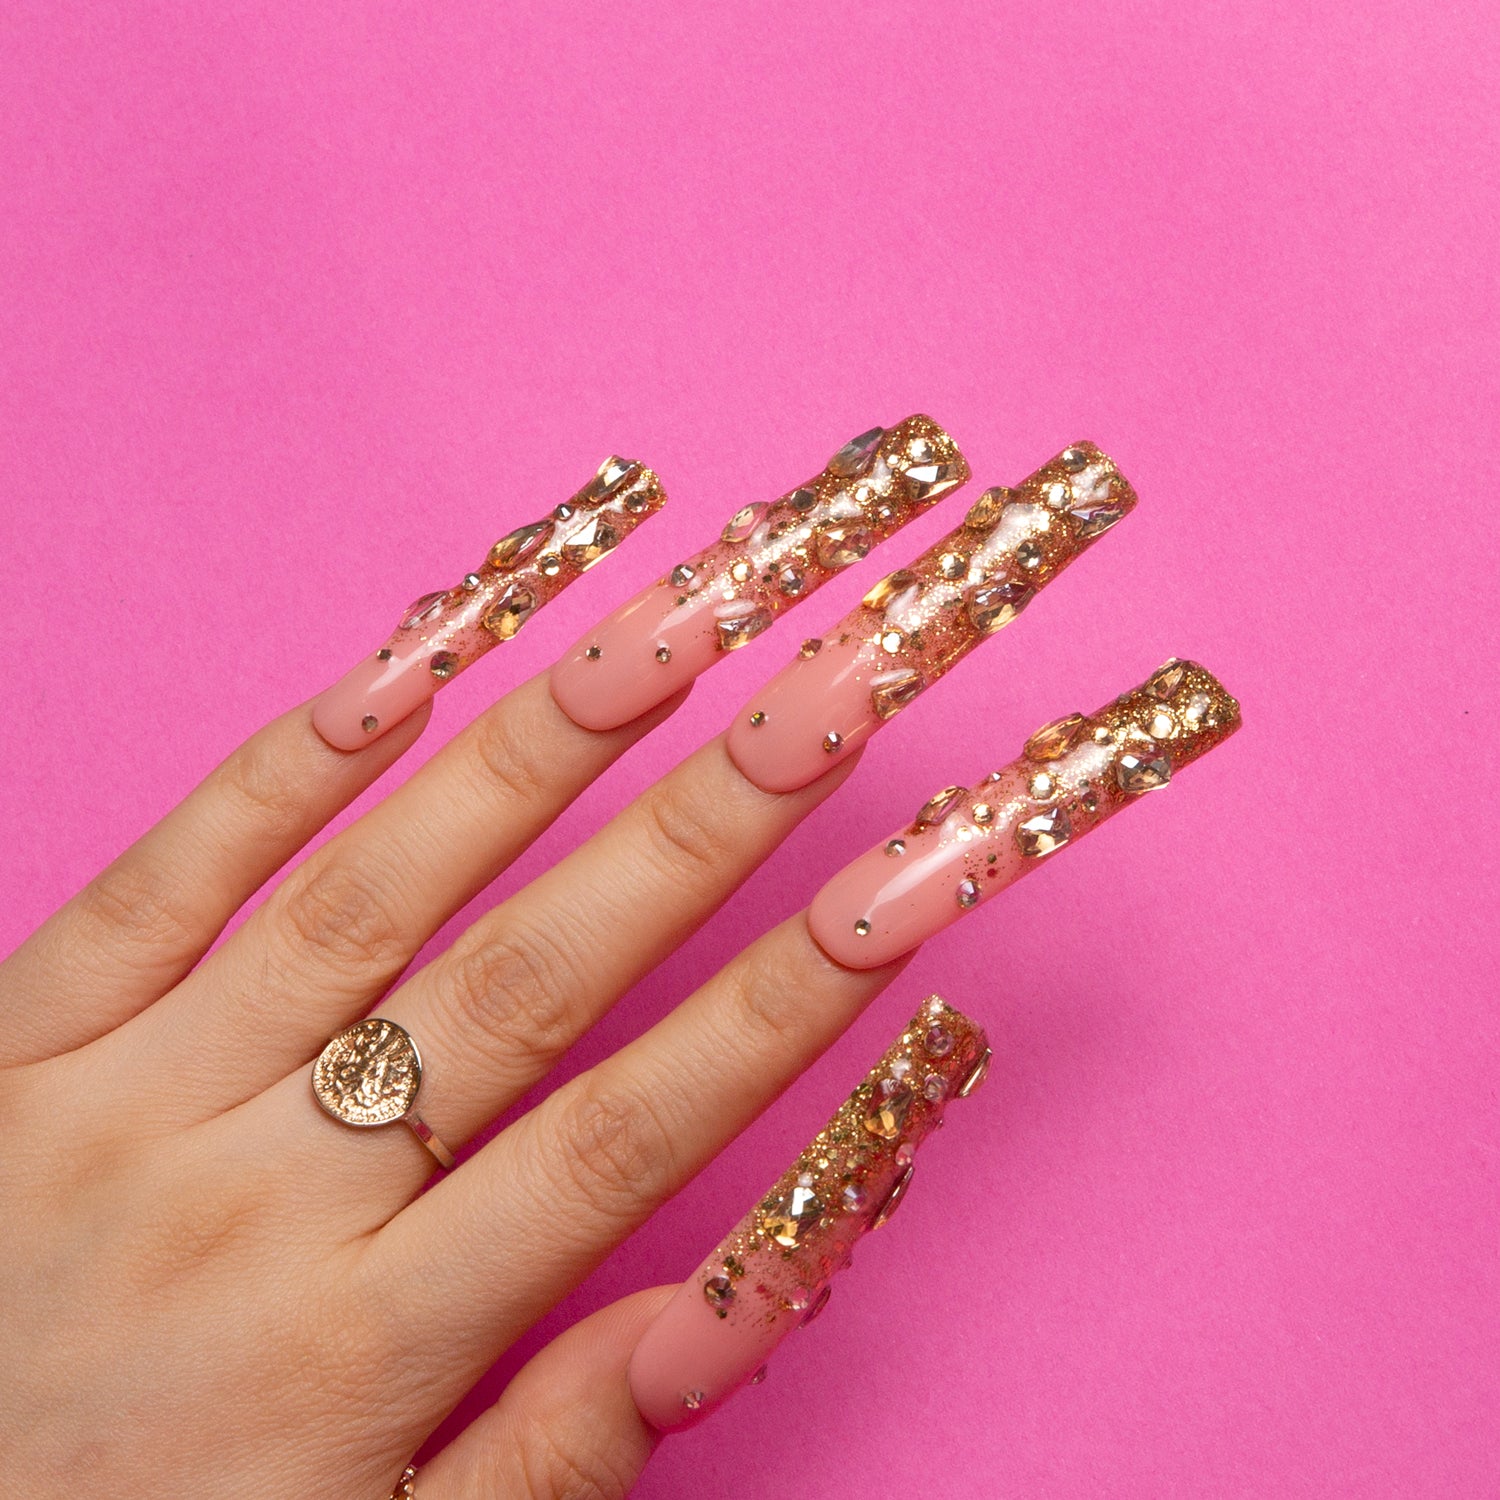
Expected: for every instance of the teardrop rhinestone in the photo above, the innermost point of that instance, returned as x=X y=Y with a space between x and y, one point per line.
x=886 y=1116
x=854 y=457
x=1095 y=520
x=682 y=575
x=739 y=630
x=810 y=648
x=889 y=588
x=793 y=1216
x=1055 y=739
x=1045 y=832
x=1135 y=774
x=1167 y=678
x=929 y=482
x=590 y=542
x=819 y=1303
x=509 y=612
x=892 y=691
x=519 y=544
x=420 y=611
x=893 y=1198
x=611 y=472
x=985 y=511
x=744 y=521
x=994 y=605
x=977 y=1075
x=938 y=806
x=841 y=546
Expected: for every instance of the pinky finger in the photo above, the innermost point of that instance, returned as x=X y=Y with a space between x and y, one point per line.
x=566 y=1426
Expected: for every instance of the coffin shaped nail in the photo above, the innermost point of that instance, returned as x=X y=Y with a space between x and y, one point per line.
x=968 y=843
x=772 y=1274
x=920 y=621
x=442 y=633
x=770 y=556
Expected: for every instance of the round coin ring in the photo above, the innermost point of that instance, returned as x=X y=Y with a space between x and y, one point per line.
x=369 y=1075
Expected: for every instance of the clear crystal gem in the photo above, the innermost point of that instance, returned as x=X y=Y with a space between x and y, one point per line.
x=744 y=521
x=895 y=848
x=967 y=894
x=443 y=665
x=889 y=587
x=369 y=723
x=854 y=1197
x=664 y=654
x=738 y=630
x=833 y=741
x=886 y=1115
x=802 y=500
x=791 y=582
x=1167 y=678
x=509 y=612
x=939 y=805
x=549 y=564
x=611 y=472
x=952 y=565
x=590 y=542
x=420 y=611
x=519 y=544
x=1045 y=832
x=840 y=546
x=1095 y=520
x=890 y=692
x=929 y=482
x=993 y=605
x=934 y=1087
x=938 y=1041
x=1135 y=774
x=1055 y=739
x=893 y=1198
x=718 y=1292
x=791 y=1218
x=1074 y=460
x=854 y=457
x=682 y=575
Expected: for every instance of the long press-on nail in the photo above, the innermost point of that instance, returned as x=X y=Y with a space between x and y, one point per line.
x=771 y=555
x=443 y=633
x=772 y=1274
x=965 y=844
x=919 y=622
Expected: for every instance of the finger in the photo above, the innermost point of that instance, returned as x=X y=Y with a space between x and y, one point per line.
x=342 y=926
x=771 y=556
x=565 y=1427
x=918 y=623
x=443 y=633
x=537 y=1208
x=144 y=921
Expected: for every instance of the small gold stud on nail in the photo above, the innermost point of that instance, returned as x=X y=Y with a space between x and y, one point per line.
x=861 y=928
x=757 y=719
x=593 y=653
x=664 y=654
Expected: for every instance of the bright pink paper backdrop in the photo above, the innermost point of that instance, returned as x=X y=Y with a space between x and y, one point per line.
x=304 y=305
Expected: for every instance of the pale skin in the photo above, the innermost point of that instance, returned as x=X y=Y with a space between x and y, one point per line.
x=214 y=1288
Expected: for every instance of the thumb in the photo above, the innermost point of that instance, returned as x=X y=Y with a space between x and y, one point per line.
x=565 y=1427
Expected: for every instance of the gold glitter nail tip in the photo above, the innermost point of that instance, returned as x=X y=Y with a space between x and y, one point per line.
x=773 y=1273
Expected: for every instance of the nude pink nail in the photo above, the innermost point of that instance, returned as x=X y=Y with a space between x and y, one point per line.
x=967 y=844
x=917 y=624
x=444 y=632
x=770 y=556
x=773 y=1273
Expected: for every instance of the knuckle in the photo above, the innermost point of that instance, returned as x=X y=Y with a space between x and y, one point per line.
x=254 y=781
x=344 y=915
x=508 y=758
x=134 y=898
x=617 y=1151
x=550 y=1470
x=770 y=1002
x=685 y=831
x=512 y=994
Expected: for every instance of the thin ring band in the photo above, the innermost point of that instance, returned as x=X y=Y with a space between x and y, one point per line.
x=369 y=1074
x=406 y=1486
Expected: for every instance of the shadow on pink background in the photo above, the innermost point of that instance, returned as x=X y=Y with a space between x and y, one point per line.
x=304 y=306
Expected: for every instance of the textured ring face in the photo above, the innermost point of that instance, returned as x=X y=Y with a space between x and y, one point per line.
x=369 y=1074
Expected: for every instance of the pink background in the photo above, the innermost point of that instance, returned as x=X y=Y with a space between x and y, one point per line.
x=304 y=305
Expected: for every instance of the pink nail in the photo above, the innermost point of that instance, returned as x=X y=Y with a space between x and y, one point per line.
x=965 y=845
x=772 y=1274
x=918 y=623
x=444 y=632
x=770 y=556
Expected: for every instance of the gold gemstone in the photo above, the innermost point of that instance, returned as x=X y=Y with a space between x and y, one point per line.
x=1054 y=739
x=791 y=582
x=549 y=564
x=802 y=500
x=929 y=482
x=1074 y=460
x=664 y=654
x=757 y=718
x=1161 y=725
x=740 y=630
x=920 y=451
x=443 y=665
x=952 y=565
x=841 y=546
x=976 y=1076
x=1167 y=678
x=983 y=813
x=1041 y=785
x=740 y=571
x=744 y=521
x=1056 y=494
x=519 y=544
x=590 y=542
x=985 y=511
x=994 y=605
x=509 y=612
x=967 y=894
x=889 y=587
x=810 y=648
x=1135 y=774
x=861 y=928
x=854 y=457
x=1029 y=554
x=937 y=807
x=1045 y=832
x=793 y=1216
x=892 y=691
x=887 y=1112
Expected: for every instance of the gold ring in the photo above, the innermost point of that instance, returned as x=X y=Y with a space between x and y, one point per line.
x=406 y=1487
x=369 y=1075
